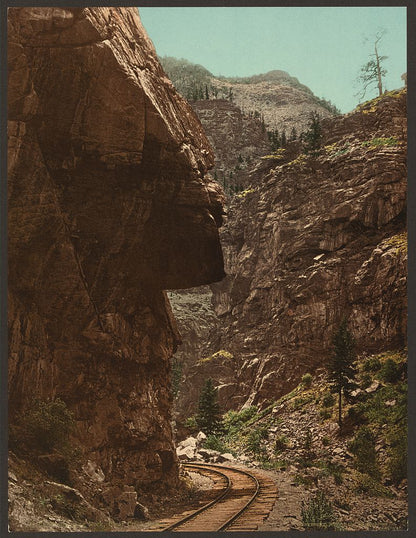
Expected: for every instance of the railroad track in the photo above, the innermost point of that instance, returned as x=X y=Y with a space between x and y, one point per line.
x=242 y=502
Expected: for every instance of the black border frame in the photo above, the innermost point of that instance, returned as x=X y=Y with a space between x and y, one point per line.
x=411 y=225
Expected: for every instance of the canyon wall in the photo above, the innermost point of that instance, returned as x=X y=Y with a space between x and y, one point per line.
x=109 y=204
x=317 y=238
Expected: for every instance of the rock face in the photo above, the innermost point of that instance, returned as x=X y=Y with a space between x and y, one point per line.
x=282 y=102
x=317 y=239
x=109 y=204
x=280 y=99
x=238 y=139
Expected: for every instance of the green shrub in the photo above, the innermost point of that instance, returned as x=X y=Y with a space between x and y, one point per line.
x=280 y=444
x=335 y=470
x=377 y=142
x=300 y=401
x=364 y=450
x=325 y=413
x=371 y=364
x=369 y=486
x=366 y=380
x=326 y=440
x=328 y=400
x=255 y=440
x=304 y=479
x=307 y=440
x=390 y=371
x=176 y=376
x=276 y=465
x=46 y=426
x=397 y=460
x=318 y=514
x=214 y=442
x=355 y=414
x=191 y=424
x=234 y=420
x=307 y=380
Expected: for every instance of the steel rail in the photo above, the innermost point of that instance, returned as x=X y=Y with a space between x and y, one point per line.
x=227 y=490
x=206 y=506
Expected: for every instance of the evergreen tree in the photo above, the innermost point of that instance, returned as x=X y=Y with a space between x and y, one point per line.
x=283 y=140
x=293 y=134
x=206 y=92
x=313 y=136
x=341 y=368
x=274 y=139
x=209 y=418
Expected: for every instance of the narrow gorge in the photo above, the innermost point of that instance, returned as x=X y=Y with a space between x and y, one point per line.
x=170 y=233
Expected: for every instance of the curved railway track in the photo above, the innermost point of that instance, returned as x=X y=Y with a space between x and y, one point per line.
x=243 y=501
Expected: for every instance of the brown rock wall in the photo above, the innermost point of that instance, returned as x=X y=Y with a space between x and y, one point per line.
x=318 y=239
x=109 y=204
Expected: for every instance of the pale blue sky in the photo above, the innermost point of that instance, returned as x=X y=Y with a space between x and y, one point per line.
x=322 y=47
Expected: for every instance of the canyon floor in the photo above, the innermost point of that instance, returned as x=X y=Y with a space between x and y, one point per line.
x=296 y=442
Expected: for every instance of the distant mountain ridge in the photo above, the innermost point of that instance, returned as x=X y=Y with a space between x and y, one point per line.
x=195 y=82
x=276 y=75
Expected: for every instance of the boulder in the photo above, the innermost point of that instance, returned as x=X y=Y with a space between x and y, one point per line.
x=201 y=437
x=190 y=441
x=141 y=512
x=375 y=385
x=94 y=471
x=125 y=504
x=358 y=394
x=226 y=457
x=186 y=453
x=207 y=453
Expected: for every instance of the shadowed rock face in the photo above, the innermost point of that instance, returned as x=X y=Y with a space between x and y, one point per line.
x=317 y=239
x=109 y=204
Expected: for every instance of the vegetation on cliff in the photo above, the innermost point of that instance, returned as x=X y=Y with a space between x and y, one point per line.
x=339 y=467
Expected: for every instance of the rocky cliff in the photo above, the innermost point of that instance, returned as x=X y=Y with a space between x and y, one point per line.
x=239 y=114
x=280 y=99
x=316 y=239
x=283 y=103
x=109 y=204
x=239 y=141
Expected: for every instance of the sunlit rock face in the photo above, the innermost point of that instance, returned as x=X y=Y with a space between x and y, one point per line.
x=109 y=204
x=317 y=239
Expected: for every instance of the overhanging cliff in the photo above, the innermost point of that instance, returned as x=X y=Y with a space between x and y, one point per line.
x=109 y=204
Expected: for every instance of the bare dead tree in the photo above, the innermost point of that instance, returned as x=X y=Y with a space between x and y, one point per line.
x=372 y=73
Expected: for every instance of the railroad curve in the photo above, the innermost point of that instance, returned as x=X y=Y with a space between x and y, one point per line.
x=243 y=502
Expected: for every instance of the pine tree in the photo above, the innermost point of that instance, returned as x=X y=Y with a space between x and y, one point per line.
x=206 y=92
x=341 y=368
x=313 y=136
x=209 y=418
x=293 y=134
x=283 y=140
